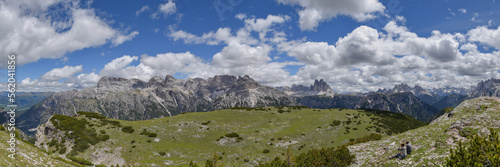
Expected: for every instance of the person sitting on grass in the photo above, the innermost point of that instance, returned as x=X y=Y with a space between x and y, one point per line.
x=402 y=152
x=408 y=147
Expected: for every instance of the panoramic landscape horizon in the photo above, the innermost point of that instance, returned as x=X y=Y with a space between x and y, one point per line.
x=266 y=83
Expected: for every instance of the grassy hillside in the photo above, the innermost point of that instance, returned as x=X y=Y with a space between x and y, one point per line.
x=432 y=143
x=240 y=136
x=26 y=154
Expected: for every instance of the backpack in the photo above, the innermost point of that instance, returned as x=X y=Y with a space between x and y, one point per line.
x=408 y=149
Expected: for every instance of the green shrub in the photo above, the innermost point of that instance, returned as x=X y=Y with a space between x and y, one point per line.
x=102 y=131
x=192 y=164
x=367 y=138
x=128 y=129
x=103 y=137
x=83 y=137
x=152 y=135
x=90 y=115
x=335 y=123
x=315 y=158
x=62 y=150
x=162 y=153
x=52 y=143
x=205 y=123
x=232 y=135
x=132 y=142
x=265 y=151
x=393 y=122
x=115 y=123
x=481 y=151
x=79 y=160
x=325 y=157
x=2 y=128
x=277 y=162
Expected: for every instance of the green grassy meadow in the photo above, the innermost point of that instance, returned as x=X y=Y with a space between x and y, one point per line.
x=198 y=136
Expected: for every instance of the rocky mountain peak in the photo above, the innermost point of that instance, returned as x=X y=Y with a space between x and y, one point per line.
x=109 y=81
x=297 y=88
x=117 y=83
x=382 y=90
x=489 y=87
x=169 y=78
x=156 y=81
x=418 y=87
x=222 y=81
x=400 y=88
x=420 y=91
x=247 y=82
x=320 y=85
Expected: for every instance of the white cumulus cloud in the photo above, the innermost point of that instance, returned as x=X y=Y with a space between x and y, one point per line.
x=32 y=36
x=314 y=12
x=57 y=74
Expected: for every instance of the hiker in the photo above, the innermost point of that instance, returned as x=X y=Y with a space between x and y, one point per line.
x=408 y=147
x=478 y=107
x=402 y=152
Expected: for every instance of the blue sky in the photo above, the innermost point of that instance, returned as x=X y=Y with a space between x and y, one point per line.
x=356 y=46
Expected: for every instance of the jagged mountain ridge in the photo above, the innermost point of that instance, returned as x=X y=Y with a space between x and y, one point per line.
x=450 y=90
x=320 y=87
x=489 y=87
x=133 y=99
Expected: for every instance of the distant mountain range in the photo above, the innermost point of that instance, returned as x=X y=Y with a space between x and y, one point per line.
x=318 y=88
x=133 y=99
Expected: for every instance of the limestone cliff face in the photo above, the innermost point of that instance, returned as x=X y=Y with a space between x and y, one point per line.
x=133 y=99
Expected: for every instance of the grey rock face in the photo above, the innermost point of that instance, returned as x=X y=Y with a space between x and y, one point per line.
x=400 y=89
x=133 y=99
x=318 y=88
x=487 y=88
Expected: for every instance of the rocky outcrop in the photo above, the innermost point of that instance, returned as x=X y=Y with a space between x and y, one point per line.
x=487 y=88
x=431 y=144
x=133 y=99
